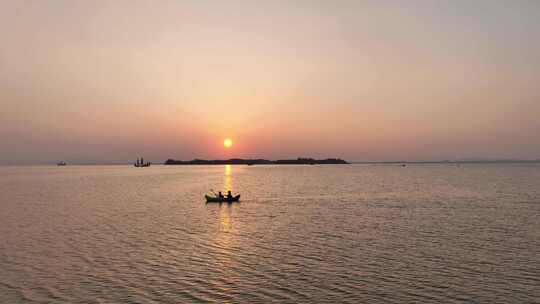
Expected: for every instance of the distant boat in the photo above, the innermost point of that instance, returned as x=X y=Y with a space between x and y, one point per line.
x=141 y=163
x=62 y=163
x=213 y=199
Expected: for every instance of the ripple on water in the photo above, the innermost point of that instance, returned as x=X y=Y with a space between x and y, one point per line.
x=346 y=234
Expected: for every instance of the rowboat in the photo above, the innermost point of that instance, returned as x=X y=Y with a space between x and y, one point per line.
x=213 y=199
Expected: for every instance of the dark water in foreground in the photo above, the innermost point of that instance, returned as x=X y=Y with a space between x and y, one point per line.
x=302 y=234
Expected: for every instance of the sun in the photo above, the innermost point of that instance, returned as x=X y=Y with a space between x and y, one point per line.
x=227 y=142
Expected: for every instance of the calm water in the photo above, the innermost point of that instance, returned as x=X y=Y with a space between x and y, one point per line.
x=303 y=234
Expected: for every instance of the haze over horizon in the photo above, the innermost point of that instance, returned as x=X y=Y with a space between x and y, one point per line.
x=108 y=81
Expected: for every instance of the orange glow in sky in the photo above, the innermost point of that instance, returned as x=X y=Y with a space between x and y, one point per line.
x=360 y=80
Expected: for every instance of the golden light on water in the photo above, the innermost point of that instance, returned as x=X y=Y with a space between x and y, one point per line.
x=227 y=179
x=225 y=223
x=227 y=142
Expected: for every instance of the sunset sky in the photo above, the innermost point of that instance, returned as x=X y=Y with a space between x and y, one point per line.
x=108 y=81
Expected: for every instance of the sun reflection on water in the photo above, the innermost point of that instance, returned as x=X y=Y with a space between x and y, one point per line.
x=227 y=179
x=225 y=223
x=226 y=239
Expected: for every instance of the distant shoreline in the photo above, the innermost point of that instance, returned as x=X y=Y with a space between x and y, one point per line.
x=450 y=162
x=267 y=162
x=249 y=162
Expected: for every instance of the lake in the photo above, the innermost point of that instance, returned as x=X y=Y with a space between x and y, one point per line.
x=433 y=233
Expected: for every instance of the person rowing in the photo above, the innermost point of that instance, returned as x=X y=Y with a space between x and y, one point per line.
x=219 y=197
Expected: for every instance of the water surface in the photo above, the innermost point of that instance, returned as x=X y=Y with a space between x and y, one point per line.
x=302 y=234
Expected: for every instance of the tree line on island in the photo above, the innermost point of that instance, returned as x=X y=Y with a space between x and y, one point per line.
x=249 y=162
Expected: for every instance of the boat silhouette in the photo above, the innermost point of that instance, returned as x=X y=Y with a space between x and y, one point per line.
x=214 y=199
x=141 y=163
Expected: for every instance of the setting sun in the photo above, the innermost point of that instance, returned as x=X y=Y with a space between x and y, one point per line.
x=227 y=143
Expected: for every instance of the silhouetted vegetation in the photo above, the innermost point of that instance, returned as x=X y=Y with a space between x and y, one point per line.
x=239 y=161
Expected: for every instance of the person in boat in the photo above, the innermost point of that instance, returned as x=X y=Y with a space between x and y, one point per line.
x=220 y=196
x=229 y=195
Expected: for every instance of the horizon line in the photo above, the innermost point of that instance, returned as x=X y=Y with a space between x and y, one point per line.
x=115 y=163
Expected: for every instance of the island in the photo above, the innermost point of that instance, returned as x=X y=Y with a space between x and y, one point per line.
x=250 y=162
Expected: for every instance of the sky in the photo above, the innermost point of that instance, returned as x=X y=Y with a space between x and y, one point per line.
x=108 y=81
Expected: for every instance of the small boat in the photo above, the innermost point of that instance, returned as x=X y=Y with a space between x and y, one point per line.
x=62 y=163
x=213 y=199
x=141 y=163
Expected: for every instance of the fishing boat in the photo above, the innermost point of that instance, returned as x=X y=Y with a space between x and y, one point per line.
x=141 y=163
x=214 y=199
